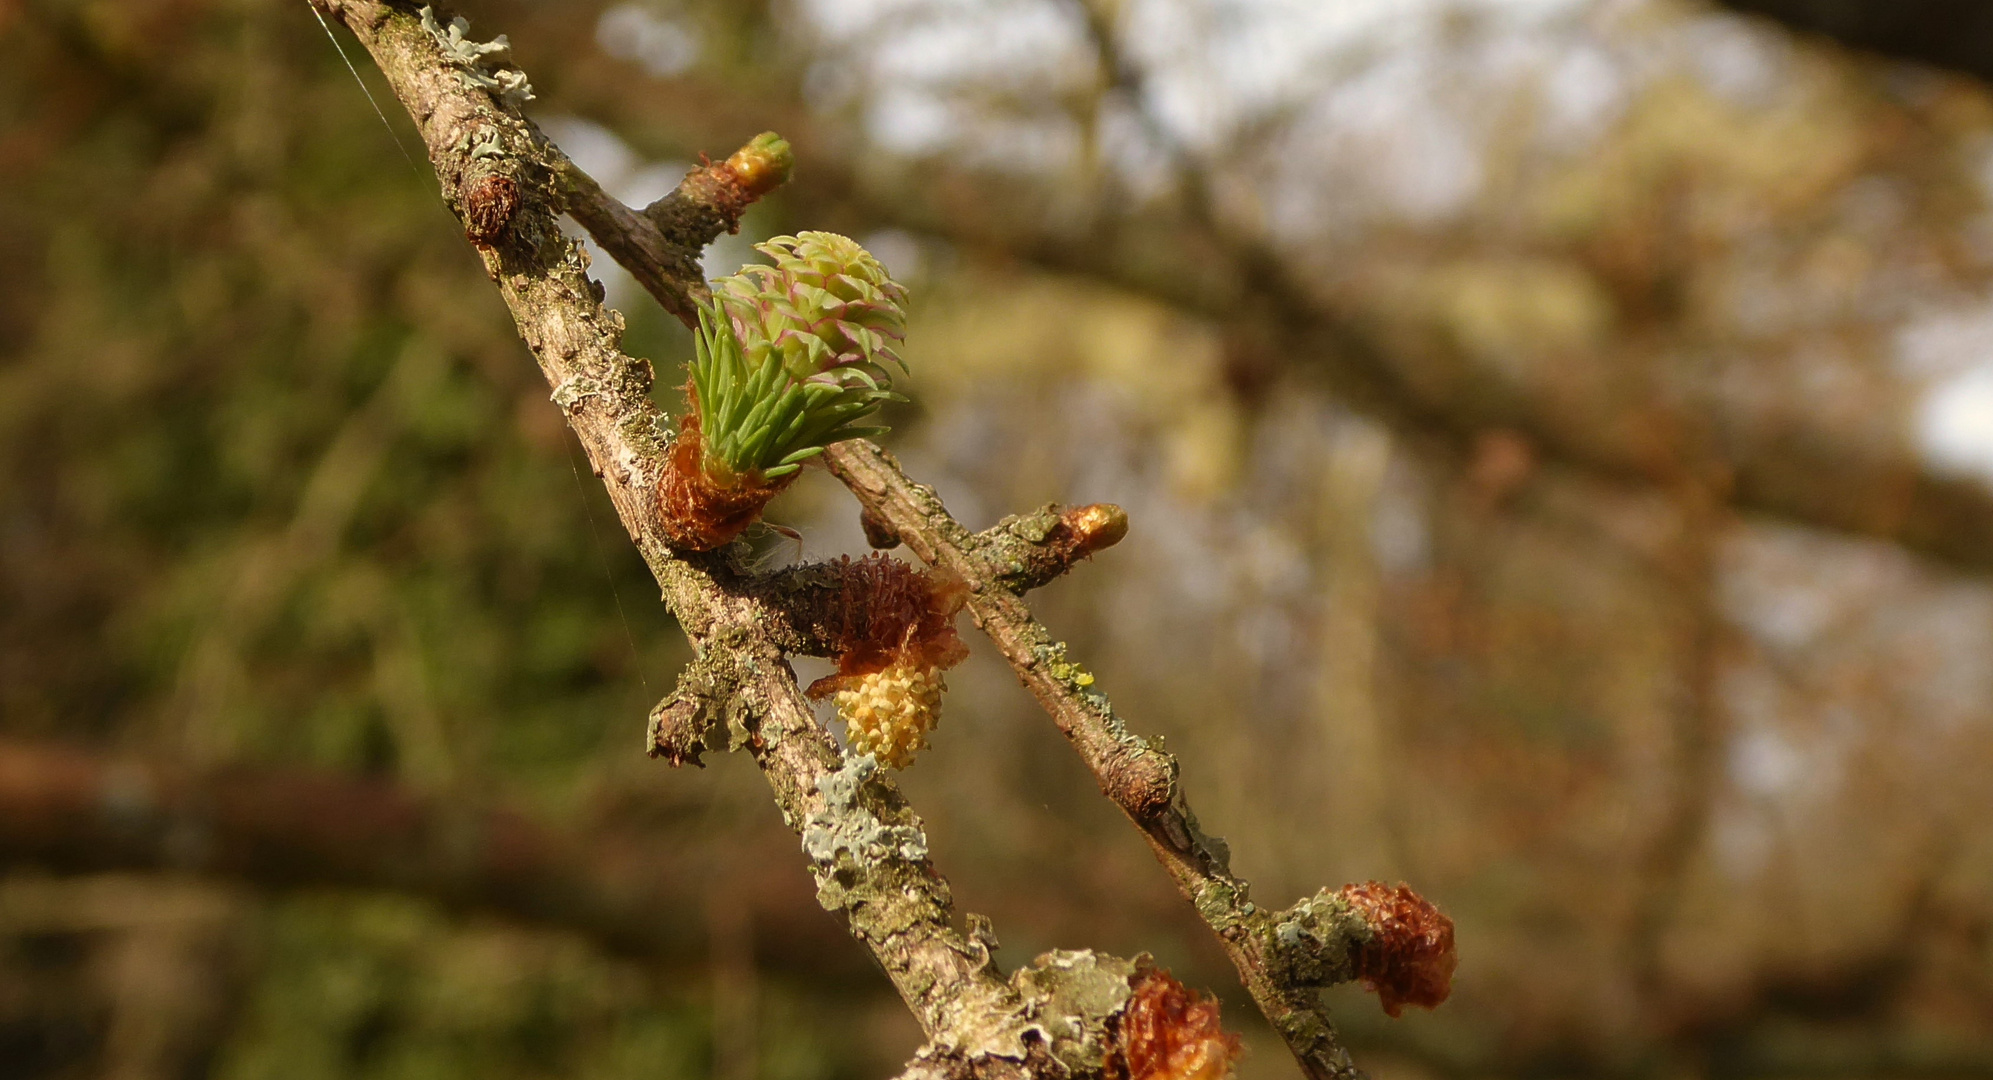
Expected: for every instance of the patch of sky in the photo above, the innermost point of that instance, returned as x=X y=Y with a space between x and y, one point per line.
x=1951 y=352
x=1954 y=423
x=662 y=45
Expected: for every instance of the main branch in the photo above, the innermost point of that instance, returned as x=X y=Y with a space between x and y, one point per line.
x=506 y=181
x=866 y=849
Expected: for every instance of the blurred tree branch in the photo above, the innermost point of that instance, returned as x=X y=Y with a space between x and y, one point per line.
x=1176 y=250
x=71 y=810
x=1956 y=34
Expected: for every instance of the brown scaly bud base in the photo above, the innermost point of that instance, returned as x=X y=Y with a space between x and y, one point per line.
x=1409 y=960
x=701 y=512
x=894 y=634
x=489 y=203
x=1171 y=1032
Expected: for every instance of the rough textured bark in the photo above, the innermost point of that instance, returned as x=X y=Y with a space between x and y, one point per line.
x=1139 y=778
x=1284 y=958
x=866 y=848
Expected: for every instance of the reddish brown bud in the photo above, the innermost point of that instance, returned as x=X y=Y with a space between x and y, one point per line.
x=489 y=204
x=698 y=511
x=1170 y=1032
x=887 y=610
x=878 y=531
x=1409 y=959
x=1139 y=781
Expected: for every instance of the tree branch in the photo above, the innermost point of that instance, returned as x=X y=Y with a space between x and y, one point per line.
x=1956 y=34
x=1283 y=958
x=867 y=849
x=1140 y=779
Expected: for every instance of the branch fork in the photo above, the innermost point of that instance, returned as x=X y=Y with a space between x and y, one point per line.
x=1069 y=1014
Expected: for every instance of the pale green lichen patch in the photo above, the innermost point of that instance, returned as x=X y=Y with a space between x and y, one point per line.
x=742 y=710
x=480 y=59
x=1313 y=942
x=1033 y=527
x=847 y=827
x=1075 y=675
x=1064 y=999
x=1221 y=901
x=484 y=143
x=572 y=391
x=1068 y=996
x=640 y=431
x=722 y=679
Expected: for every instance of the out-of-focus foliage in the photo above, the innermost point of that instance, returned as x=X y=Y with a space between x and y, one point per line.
x=1703 y=790
x=281 y=484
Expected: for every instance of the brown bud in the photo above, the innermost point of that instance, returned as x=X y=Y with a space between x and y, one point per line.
x=879 y=532
x=1140 y=782
x=677 y=732
x=1409 y=959
x=1170 y=1032
x=1096 y=527
x=762 y=165
x=698 y=513
x=489 y=204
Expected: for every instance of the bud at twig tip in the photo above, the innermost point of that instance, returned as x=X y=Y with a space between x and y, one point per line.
x=763 y=164
x=1097 y=526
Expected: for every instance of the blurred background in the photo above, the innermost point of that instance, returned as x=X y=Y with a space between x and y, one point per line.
x=1558 y=436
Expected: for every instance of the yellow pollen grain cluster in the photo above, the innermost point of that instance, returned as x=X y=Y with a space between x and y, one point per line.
x=891 y=712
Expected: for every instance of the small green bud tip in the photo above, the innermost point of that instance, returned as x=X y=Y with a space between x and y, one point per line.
x=763 y=164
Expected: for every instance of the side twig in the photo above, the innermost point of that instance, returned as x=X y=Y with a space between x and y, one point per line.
x=1142 y=780
x=1284 y=958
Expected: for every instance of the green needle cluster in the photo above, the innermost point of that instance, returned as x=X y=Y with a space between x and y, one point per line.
x=758 y=418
